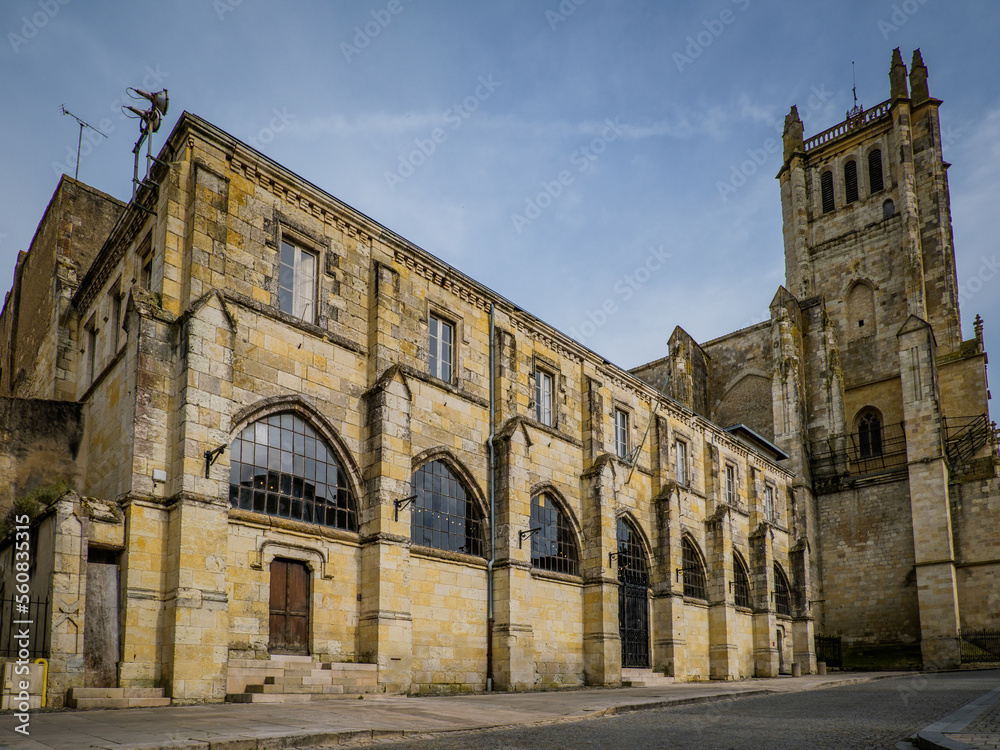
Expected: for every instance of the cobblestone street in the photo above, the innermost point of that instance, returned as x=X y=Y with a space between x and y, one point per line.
x=873 y=716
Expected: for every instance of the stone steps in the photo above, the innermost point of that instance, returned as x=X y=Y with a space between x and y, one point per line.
x=644 y=678
x=297 y=679
x=115 y=697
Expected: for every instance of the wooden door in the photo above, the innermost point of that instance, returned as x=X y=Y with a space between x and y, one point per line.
x=289 y=607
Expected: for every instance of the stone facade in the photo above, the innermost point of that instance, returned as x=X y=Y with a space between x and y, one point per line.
x=320 y=439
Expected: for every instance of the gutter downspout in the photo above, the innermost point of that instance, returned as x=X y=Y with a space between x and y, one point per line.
x=493 y=536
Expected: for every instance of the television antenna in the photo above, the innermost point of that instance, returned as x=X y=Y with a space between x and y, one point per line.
x=79 y=143
x=149 y=122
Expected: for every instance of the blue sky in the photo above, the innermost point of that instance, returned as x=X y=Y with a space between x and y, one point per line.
x=575 y=156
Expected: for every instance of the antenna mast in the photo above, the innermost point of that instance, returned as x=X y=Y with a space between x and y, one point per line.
x=857 y=109
x=79 y=143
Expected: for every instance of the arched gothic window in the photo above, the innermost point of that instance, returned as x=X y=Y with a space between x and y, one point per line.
x=741 y=583
x=281 y=466
x=553 y=546
x=782 y=592
x=444 y=516
x=870 y=435
x=695 y=583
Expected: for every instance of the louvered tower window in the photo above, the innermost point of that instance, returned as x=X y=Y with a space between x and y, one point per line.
x=826 y=186
x=875 y=170
x=851 y=181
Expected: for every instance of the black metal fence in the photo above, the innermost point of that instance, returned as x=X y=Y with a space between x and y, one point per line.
x=828 y=650
x=980 y=646
x=27 y=626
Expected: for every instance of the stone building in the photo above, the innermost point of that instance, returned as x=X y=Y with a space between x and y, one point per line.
x=314 y=459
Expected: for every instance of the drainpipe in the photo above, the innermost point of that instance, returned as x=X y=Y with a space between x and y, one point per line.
x=493 y=536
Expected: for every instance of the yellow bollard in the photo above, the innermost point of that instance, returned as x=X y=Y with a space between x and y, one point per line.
x=45 y=678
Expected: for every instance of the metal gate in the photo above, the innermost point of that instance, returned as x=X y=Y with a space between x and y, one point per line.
x=633 y=607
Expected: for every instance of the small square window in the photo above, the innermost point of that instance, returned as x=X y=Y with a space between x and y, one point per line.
x=730 y=484
x=297 y=282
x=543 y=397
x=442 y=347
x=621 y=434
x=680 y=462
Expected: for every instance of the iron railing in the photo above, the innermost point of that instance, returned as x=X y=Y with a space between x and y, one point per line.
x=964 y=436
x=828 y=649
x=980 y=646
x=33 y=620
x=845 y=456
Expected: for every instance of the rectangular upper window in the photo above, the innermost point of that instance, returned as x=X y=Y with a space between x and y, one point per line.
x=146 y=264
x=621 y=433
x=730 y=484
x=769 y=509
x=543 y=397
x=442 y=347
x=115 y=320
x=91 y=329
x=680 y=462
x=297 y=282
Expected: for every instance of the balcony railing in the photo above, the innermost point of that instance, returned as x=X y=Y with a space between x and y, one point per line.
x=848 y=126
x=846 y=457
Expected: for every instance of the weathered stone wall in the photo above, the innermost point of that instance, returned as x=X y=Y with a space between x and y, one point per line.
x=71 y=232
x=557 y=624
x=449 y=625
x=740 y=371
x=39 y=445
x=869 y=583
x=975 y=518
x=696 y=632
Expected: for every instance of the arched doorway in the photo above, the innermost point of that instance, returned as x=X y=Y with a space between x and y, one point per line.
x=633 y=588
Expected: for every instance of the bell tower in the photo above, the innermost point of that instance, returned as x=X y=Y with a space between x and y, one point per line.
x=867 y=221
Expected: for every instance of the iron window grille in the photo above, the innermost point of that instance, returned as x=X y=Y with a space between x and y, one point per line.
x=730 y=484
x=297 y=282
x=695 y=583
x=280 y=466
x=741 y=584
x=782 y=594
x=441 y=346
x=770 y=510
x=553 y=547
x=633 y=597
x=443 y=516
